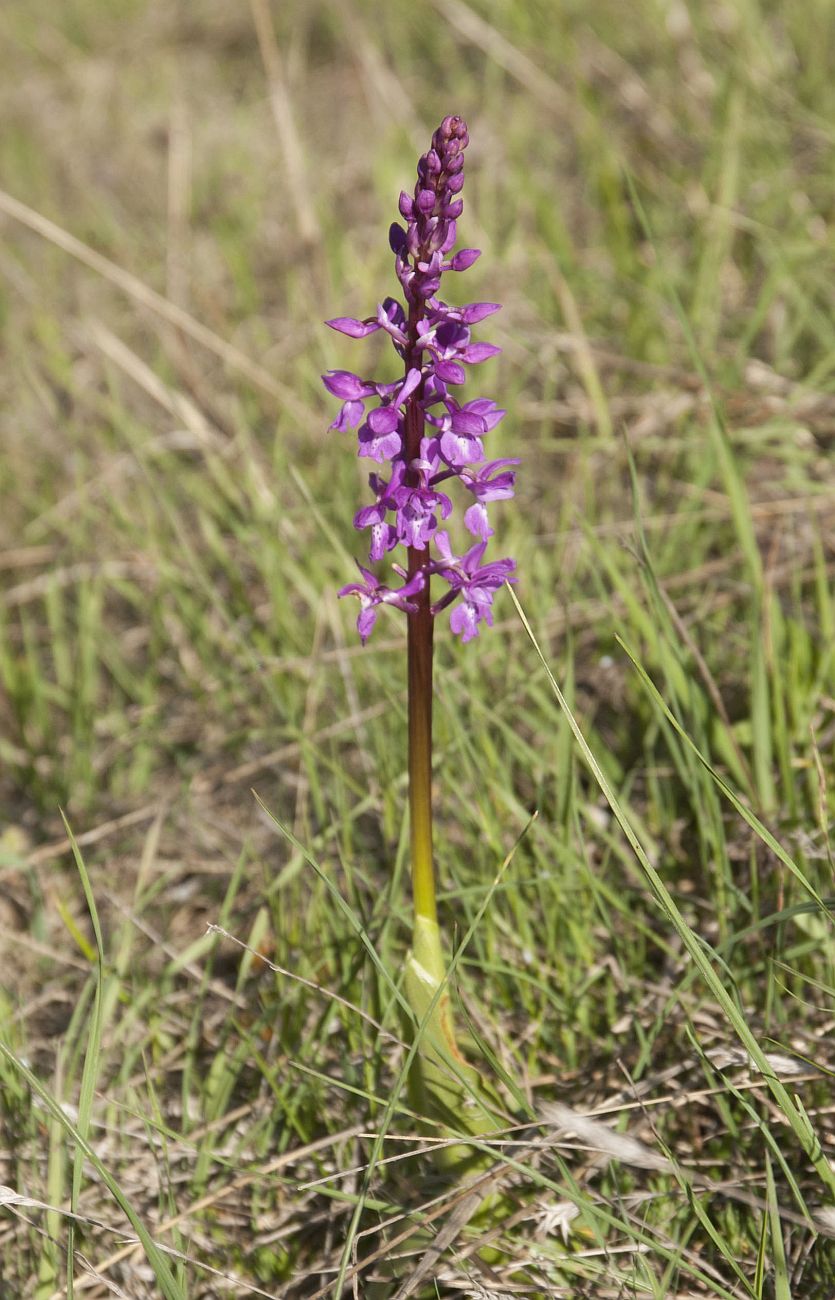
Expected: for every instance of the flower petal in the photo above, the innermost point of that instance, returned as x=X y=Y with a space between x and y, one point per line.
x=467 y=422
x=464 y=259
x=475 y=519
x=349 y=416
x=380 y=447
x=344 y=384
x=464 y=621
x=450 y=372
x=477 y=311
x=369 y=515
x=460 y=449
x=355 y=329
x=383 y=419
x=410 y=383
x=365 y=622
x=477 y=352
x=383 y=539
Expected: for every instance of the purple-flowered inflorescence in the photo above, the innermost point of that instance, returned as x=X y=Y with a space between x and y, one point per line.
x=417 y=428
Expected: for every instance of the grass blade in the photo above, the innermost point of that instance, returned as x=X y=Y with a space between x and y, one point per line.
x=700 y=952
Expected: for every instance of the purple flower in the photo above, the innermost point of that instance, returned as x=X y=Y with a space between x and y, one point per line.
x=392 y=318
x=372 y=594
x=462 y=428
x=383 y=535
x=417 y=506
x=461 y=431
x=381 y=437
x=415 y=425
x=353 y=392
x=484 y=488
x=475 y=582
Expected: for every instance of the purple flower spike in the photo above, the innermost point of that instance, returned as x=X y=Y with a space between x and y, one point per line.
x=415 y=425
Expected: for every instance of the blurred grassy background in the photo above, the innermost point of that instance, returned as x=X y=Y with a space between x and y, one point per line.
x=186 y=192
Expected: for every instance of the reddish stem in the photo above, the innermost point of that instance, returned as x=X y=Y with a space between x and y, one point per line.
x=419 y=641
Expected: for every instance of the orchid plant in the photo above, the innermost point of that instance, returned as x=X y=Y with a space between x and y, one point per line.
x=426 y=437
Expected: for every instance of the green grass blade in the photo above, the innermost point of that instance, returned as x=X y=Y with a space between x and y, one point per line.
x=700 y=952
x=782 y=1285
x=157 y=1260
x=92 y=1055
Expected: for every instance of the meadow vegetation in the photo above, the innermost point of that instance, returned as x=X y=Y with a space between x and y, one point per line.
x=201 y=1043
